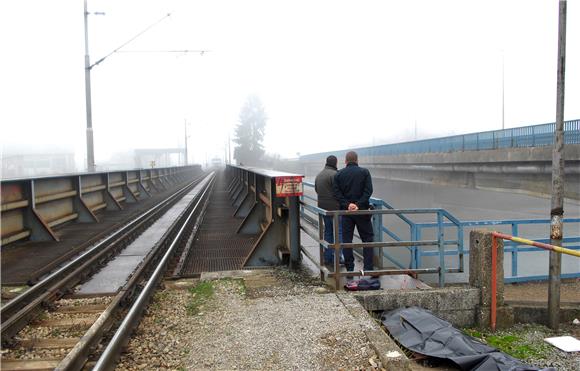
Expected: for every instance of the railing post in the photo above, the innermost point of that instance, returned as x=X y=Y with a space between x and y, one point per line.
x=514 y=252
x=294 y=225
x=378 y=232
x=441 y=243
x=337 y=243
x=321 y=247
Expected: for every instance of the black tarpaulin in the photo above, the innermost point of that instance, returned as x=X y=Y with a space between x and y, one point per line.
x=420 y=331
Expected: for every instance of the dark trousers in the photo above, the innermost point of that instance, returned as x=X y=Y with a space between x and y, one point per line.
x=329 y=237
x=365 y=230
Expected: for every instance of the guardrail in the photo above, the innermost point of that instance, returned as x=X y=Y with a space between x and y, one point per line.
x=378 y=243
x=526 y=136
x=33 y=207
x=444 y=222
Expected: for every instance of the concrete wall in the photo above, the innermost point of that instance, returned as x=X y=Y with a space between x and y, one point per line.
x=527 y=170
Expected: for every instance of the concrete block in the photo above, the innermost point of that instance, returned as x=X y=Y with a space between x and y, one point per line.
x=391 y=356
x=480 y=245
x=456 y=305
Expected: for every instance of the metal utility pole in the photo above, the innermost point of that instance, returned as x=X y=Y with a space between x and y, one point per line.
x=90 y=148
x=88 y=68
x=557 y=205
x=185 y=125
x=502 y=91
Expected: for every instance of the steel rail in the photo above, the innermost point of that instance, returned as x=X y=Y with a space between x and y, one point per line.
x=77 y=357
x=16 y=313
x=108 y=358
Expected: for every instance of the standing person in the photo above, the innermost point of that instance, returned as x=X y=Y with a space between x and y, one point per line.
x=323 y=185
x=353 y=187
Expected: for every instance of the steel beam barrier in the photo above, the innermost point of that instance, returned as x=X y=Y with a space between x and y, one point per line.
x=33 y=207
x=270 y=212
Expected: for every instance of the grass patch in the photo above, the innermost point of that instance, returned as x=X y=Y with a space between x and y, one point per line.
x=515 y=344
x=200 y=293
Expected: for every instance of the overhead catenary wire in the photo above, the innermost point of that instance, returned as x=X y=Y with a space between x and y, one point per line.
x=130 y=40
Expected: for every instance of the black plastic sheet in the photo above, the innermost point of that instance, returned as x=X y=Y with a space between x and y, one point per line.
x=420 y=331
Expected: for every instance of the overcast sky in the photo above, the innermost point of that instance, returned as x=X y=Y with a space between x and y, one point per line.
x=331 y=74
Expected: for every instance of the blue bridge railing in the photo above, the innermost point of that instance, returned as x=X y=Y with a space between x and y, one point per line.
x=451 y=233
x=527 y=136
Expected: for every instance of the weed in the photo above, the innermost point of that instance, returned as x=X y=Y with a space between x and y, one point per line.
x=515 y=345
x=200 y=293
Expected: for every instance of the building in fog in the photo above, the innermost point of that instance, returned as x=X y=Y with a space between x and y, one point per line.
x=37 y=164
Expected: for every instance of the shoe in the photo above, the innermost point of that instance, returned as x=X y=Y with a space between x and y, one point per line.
x=362 y=285
x=371 y=284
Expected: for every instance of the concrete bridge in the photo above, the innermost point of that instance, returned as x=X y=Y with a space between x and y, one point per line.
x=514 y=160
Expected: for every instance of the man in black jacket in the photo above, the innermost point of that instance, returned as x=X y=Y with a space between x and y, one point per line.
x=352 y=188
x=323 y=185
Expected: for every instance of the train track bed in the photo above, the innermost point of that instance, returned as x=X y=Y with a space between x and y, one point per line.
x=68 y=335
x=18 y=269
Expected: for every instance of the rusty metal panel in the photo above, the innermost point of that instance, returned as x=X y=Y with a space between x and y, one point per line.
x=116 y=192
x=94 y=199
x=55 y=209
x=12 y=222
x=89 y=181
x=134 y=187
x=116 y=178
x=132 y=175
x=52 y=186
x=13 y=191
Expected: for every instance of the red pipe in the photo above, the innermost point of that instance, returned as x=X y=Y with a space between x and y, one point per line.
x=493 y=281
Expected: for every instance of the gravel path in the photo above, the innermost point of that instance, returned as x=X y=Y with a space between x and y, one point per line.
x=268 y=321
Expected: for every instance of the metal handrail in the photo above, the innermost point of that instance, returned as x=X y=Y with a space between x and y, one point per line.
x=526 y=136
x=337 y=245
x=417 y=228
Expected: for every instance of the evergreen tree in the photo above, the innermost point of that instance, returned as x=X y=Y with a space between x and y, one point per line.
x=249 y=133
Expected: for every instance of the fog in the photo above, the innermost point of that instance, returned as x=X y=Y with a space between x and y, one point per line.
x=330 y=74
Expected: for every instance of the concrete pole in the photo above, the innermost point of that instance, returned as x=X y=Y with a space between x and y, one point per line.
x=557 y=206
x=90 y=147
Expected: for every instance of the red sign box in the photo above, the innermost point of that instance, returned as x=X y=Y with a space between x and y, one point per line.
x=287 y=186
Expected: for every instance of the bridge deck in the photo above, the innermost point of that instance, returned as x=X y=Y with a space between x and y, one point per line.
x=217 y=246
x=29 y=260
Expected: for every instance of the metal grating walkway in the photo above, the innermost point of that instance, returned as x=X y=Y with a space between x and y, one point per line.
x=217 y=247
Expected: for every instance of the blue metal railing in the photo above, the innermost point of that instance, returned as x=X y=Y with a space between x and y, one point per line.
x=446 y=220
x=527 y=136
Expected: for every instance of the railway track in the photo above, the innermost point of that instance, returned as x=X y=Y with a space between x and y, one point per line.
x=45 y=329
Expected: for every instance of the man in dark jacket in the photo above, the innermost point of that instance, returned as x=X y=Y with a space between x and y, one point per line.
x=352 y=188
x=325 y=191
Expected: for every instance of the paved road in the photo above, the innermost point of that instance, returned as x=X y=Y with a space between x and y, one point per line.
x=472 y=204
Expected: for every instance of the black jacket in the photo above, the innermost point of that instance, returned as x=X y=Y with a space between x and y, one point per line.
x=353 y=184
x=325 y=190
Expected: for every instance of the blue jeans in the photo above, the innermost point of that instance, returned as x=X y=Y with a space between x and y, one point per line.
x=329 y=237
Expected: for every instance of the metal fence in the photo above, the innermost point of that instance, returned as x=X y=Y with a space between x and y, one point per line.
x=449 y=232
x=527 y=136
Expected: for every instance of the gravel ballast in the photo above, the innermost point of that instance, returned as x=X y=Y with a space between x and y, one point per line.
x=293 y=325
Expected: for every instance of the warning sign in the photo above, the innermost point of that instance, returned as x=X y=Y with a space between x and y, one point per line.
x=288 y=186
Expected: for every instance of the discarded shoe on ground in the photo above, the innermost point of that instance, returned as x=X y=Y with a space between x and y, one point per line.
x=362 y=285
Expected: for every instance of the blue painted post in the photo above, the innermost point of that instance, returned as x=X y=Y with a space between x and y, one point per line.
x=413 y=248
x=514 y=252
x=460 y=246
x=419 y=252
x=378 y=232
x=441 y=243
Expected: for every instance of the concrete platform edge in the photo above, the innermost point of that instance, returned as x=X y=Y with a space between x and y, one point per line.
x=391 y=356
